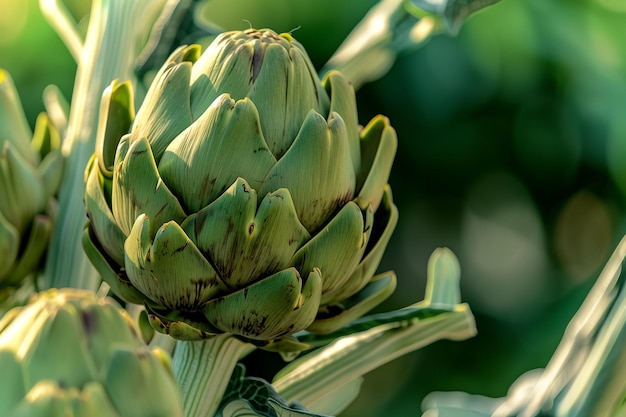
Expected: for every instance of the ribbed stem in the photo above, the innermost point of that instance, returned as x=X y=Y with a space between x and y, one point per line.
x=203 y=370
x=115 y=34
x=573 y=350
x=598 y=388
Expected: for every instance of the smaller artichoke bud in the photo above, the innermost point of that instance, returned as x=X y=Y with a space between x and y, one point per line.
x=70 y=353
x=30 y=173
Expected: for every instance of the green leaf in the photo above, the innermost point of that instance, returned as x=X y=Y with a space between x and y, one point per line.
x=443 y=292
x=393 y=27
x=371 y=48
x=282 y=411
x=442 y=295
x=586 y=346
x=453 y=12
x=242 y=408
x=250 y=396
x=369 y=343
x=338 y=400
x=459 y=404
x=314 y=376
x=598 y=387
x=178 y=23
x=375 y=292
x=397 y=318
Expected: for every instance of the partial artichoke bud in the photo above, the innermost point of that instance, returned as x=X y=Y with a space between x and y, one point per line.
x=245 y=198
x=30 y=173
x=69 y=353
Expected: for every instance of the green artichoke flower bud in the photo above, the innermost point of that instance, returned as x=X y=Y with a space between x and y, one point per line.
x=245 y=198
x=70 y=354
x=30 y=173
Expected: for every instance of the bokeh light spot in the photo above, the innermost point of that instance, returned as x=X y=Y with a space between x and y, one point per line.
x=583 y=235
x=503 y=249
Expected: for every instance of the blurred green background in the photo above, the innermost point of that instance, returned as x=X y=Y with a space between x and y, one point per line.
x=512 y=144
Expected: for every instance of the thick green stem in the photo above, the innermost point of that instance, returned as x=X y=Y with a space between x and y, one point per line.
x=573 y=351
x=203 y=370
x=598 y=388
x=116 y=31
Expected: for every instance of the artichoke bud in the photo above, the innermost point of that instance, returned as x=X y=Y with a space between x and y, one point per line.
x=68 y=352
x=244 y=197
x=31 y=168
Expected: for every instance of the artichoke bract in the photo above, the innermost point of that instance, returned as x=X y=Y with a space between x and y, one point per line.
x=30 y=174
x=243 y=197
x=68 y=353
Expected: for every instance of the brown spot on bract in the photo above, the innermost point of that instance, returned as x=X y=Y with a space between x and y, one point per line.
x=89 y=321
x=182 y=248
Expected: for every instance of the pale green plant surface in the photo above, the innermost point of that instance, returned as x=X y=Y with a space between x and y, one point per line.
x=386 y=35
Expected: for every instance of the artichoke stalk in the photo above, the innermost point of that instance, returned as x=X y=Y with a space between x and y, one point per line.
x=243 y=197
x=70 y=354
x=30 y=173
